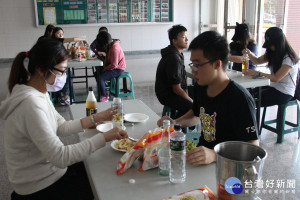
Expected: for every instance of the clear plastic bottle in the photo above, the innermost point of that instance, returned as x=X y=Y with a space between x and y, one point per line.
x=79 y=57
x=91 y=104
x=72 y=51
x=245 y=63
x=164 y=150
x=87 y=51
x=177 y=156
x=118 y=117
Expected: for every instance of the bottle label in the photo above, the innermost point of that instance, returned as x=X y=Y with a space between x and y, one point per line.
x=90 y=111
x=177 y=145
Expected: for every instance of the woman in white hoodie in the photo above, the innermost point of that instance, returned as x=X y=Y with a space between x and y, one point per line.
x=37 y=161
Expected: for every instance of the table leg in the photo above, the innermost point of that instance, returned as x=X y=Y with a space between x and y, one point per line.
x=258 y=108
x=97 y=80
x=70 y=86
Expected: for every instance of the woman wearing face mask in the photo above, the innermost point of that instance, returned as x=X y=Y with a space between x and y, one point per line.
x=283 y=64
x=39 y=165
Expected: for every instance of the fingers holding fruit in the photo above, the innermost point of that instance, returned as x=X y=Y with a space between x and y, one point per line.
x=115 y=133
x=190 y=145
x=106 y=115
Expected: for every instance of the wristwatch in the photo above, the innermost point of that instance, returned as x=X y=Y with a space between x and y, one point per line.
x=256 y=75
x=93 y=119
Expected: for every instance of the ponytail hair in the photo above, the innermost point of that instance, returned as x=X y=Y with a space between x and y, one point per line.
x=18 y=72
x=44 y=55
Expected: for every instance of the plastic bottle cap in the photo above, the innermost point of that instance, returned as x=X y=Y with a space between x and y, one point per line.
x=90 y=88
x=166 y=122
x=177 y=127
x=116 y=100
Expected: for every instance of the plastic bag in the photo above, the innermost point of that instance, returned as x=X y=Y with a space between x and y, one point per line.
x=198 y=194
x=147 y=145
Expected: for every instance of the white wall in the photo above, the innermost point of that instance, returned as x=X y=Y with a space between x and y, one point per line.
x=18 y=31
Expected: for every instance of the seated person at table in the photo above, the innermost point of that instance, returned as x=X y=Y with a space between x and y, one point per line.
x=224 y=108
x=97 y=48
x=283 y=64
x=64 y=94
x=241 y=40
x=114 y=64
x=39 y=165
x=58 y=34
x=48 y=32
x=170 y=84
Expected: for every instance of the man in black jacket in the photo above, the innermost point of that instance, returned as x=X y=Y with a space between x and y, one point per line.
x=170 y=85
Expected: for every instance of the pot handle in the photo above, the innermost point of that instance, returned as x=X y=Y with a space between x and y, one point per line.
x=250 y=173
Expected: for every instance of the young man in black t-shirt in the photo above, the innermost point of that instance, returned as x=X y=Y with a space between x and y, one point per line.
x=225 y=110
x=170 y=84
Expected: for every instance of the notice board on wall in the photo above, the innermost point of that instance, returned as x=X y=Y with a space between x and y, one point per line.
x=102 y=11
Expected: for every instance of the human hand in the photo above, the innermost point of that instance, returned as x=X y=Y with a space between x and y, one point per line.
x=105 y=115
x=85 y=43
x=115 y=133
x=100 y=53
x=200 y=155
x=160 y=121
x=249 y=72
x=246 y=51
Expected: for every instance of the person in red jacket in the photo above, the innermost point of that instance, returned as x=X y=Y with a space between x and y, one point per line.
x=114 y=64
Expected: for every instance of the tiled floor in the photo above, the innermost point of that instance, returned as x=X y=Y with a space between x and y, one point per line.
x=281 y=165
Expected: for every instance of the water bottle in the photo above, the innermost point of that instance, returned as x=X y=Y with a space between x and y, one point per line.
x=178 y=156
x=91 y=104
x=118 y=117
x=164 y=150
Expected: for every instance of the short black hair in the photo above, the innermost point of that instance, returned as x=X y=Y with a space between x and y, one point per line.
x=103 y=28
x=174 y=31
x=103 y=40
x=214 y=46
x=49 y=29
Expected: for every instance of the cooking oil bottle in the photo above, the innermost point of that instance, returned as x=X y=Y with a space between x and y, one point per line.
x=91 y=104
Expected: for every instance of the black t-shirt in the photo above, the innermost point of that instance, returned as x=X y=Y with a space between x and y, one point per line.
x=230 y=116
x=170 y=71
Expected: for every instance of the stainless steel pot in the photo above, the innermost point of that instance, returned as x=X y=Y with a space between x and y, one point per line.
x=243 y=161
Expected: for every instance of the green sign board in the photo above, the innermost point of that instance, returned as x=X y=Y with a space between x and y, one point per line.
x=102 y=11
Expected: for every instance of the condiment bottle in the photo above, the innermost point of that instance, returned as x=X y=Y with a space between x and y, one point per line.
x=91 y=104
x=245 y=63
x=72 y=52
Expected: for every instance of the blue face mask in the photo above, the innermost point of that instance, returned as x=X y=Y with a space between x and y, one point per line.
x=59 y=83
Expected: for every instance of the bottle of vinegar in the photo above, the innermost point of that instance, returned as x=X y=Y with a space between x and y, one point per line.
x=91 y=104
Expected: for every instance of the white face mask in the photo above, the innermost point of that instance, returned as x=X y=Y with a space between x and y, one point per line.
x=59 y=83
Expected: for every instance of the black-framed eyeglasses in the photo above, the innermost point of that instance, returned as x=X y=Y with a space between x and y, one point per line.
x=195 y=67
x=61 y=71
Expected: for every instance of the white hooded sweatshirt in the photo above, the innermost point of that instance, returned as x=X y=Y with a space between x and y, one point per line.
x=35 y=156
